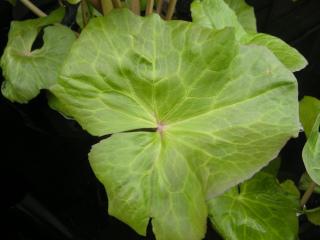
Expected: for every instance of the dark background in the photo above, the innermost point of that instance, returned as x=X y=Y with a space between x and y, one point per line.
x=48 y=190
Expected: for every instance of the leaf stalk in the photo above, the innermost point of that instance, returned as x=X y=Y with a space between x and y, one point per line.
x=107 y=6
x=116 y=3
x=159 y=6
x=135 y=7
x=85 y=12
x=171 y=9
x=33 y=8
x=149 y=8
x=307 y=194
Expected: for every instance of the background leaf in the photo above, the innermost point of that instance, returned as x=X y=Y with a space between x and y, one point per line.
x=309 y=110
x=314 y=216
x=311 y=152
x=245 y=14
x=259 y=209
x=27 y=71
x=273 y=166
x=217 y=14
x=289 y=56
x=182 y=81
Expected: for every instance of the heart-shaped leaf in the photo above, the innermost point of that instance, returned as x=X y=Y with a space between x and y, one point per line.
x=27 y=71
x=260 y=208
x=217 y=111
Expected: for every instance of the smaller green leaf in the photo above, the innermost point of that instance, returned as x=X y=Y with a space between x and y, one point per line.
x=309 y=110
x=216 y=14
x=27 y=71
x=305 y=181
x=289 y=56
x=311 y=152
x=245 y=14
x=273 y=166
x=260 y=209
x=314 y=216
x=290 y=189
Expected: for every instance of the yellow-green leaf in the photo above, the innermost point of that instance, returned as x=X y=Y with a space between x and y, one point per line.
x=259 y=209
x=311 y=152
x=245 y=14
x=309 y=110
x=219 y=111
x=219 y=14
x=27 y=71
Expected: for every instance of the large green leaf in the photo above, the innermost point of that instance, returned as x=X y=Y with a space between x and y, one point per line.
x=222 y=111
x=259 y=209
x=245 y=14
x=309 y=110
x=26 y=72
x=217 y=14
x=311 y=152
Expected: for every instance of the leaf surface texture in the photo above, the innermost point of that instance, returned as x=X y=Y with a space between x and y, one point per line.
x=221 y=111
